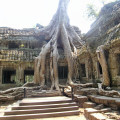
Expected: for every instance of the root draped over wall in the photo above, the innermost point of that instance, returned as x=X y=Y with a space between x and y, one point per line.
x=103 y=62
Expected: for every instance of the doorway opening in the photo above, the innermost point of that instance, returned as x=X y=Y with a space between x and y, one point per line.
x=28 y=75
x=62 y=72
x=83 y=70
x=9 y=76
x=100 y=68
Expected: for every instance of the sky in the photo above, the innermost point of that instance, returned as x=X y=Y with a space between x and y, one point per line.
x=20 y=14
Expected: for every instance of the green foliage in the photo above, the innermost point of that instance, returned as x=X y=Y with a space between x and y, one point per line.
x=98 y=81
x=91 y=11
x=29 y=78
x=18 y=83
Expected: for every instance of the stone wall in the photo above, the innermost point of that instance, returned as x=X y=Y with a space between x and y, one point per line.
x=104 y=31
x=19 y=68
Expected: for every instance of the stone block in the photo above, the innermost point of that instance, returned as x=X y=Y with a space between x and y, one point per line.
x=89 y=105
x=114 y=106
x=89 y=111
x=81 y=100
x=97 y=100
x=97 y=116
x=103 y=100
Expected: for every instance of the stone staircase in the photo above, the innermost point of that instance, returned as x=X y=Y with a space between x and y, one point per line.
x=44 y=107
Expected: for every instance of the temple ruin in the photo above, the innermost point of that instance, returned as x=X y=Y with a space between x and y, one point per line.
x=93 y=58
x=19 y=48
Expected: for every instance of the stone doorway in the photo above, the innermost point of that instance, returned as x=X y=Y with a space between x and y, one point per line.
x=28 y=75
x=118 y=63
x=100 y=69
x=62 y=74
x=9 y=76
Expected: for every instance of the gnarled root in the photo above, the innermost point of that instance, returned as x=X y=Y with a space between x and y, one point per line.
x=103 y=63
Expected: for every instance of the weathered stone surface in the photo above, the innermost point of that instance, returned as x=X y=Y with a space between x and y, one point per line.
x=97 y=116
x=113 y=115
x=108 y=101
x=109 y=93
x=80 y=99
x=99 y=107
x=89 y=105
x=89 y=111
x=108 y=18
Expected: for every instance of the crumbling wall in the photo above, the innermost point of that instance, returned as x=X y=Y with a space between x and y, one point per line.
x=105 y=31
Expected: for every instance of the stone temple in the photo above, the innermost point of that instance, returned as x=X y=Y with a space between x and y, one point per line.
x=98 y=61
x=18 y=49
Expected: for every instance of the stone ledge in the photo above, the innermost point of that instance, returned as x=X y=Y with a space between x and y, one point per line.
x=108 y=101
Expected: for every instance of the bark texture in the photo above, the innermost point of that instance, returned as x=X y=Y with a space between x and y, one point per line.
x=104 y=65
x=58 y=32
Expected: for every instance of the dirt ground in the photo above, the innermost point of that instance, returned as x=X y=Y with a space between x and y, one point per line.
x=3 y=105
x=76 y=117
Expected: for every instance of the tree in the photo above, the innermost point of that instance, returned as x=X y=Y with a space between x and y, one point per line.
x=58 y=32
x=91 y=11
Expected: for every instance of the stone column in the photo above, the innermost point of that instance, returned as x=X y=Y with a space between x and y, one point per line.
x=86 y=68
x=20 y=74
x=0 y=75
x=97 y=70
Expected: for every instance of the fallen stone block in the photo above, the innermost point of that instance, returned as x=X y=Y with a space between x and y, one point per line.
x=89 y=111
x=89 y=105
x=97 y=116
x=80 y=100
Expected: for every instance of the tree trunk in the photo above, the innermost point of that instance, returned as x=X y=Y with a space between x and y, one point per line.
x=104 y=65
x=59 y=27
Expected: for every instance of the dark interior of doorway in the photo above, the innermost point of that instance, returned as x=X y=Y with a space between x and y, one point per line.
x=7 y=76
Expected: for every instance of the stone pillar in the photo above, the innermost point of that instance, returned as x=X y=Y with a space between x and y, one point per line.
x=20 y=74
x=97 y=70
x=0 y=75
x=113 y=64
x=86 y=68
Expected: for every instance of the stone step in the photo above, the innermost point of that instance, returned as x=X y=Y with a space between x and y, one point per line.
x=80 y=99
x=98 y=116
x=89 y=111
x=40 y=115
x=114 y=103
x=44 y=102
x=34 y=111
x=44 y=106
